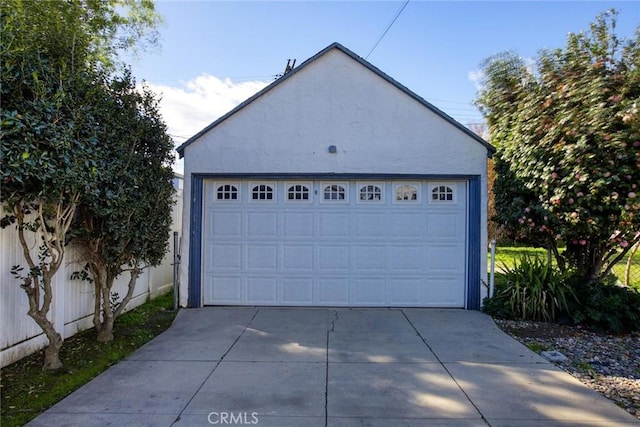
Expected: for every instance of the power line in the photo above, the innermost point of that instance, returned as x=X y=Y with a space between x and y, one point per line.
x=387 y=29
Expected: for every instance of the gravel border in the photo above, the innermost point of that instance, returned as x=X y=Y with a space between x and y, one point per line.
x=609 y=364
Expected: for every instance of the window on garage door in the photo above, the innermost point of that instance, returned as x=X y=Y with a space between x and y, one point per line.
x=403 y=193
x=370 y=193
x=442 y=193
x=262 y=192
x=335 y=193
x=298 y=192
x=227 y=193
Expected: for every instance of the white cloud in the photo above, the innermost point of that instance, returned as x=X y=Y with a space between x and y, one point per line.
x=476 y=78
x=191 y=106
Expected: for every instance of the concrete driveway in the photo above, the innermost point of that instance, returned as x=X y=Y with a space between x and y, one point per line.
x=334 y=367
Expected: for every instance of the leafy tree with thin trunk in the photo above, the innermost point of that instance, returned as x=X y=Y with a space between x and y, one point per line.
x=568 y=136
x=51 y=54
x=123 y=226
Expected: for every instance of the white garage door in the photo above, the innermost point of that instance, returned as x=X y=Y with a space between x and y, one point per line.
x=334 y=243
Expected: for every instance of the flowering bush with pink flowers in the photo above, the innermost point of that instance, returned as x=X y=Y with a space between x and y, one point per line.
x=568 y=138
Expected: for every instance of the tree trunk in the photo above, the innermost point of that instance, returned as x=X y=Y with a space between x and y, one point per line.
x=52 y=360
x=39 y=281
x=105 y=315
x=105 y=334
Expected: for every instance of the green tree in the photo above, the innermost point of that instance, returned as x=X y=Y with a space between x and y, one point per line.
x=51 y=56
x=568 y=135
x=123 y=225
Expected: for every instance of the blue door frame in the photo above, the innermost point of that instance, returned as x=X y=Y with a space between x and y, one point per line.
x=474 y=229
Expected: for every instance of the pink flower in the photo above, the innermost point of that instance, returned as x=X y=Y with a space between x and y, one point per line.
x=580 y=194
x=631 y=195
x=570 y=201
x=624 y=243
x=574 y=215
x=636 y=143
x=527 y=210
x=583 y=242
x=607 y=174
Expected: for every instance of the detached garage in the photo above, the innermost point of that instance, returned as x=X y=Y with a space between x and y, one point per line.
x=334 y=186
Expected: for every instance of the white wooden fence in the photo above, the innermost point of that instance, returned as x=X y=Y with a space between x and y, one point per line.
x=72 y=306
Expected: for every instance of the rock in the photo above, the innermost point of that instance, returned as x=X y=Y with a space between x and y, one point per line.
x=554 y=356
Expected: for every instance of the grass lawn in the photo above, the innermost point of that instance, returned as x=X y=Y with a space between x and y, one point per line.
x=507 y=255
x=27 y=390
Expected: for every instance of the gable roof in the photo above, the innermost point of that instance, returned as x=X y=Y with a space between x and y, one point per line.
x=352 y=55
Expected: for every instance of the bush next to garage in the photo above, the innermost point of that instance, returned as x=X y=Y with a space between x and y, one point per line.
x=532 y=289
x=607 y=306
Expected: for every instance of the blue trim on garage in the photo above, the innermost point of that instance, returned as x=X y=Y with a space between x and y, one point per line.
x=474 y=244
x=474 y=224
x=195 y=243
x=340 y=176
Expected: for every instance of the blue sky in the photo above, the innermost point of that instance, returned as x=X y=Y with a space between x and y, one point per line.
x=215 y=54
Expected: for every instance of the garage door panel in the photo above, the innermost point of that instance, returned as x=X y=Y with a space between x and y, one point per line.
x=333 y=290
x=297 y=225
x=369 y=258
x=224 y=289
x=407 y=226
x=445 y=259
x=405 y=291
x=443 y=291
x=445 y=226
x=224 y=257
x=262 y=224
x=368 y=225
x=387 y=251
x=262 y=257
x=407 y=257
x=368 y=291
x=334 y=225
x=224 y=224
x=297 y=257
x=333 y=257
x=262 y=289
x=297 y=290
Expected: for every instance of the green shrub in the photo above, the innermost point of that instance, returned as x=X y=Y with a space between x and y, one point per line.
x=530 y=290
x=606 y=306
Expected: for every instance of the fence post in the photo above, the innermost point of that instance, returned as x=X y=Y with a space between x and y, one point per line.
x=176 y=266
x=493 y=268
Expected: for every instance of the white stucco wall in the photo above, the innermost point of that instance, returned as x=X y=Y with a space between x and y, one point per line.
x=335 y=100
